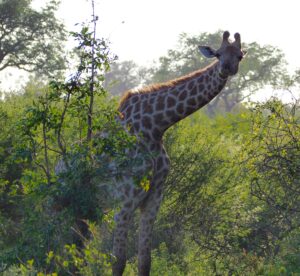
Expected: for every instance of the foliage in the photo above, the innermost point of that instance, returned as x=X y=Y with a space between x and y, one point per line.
x=162 y=263
x=225 y=197
x=89 y=261
x=272 y=158
x=231 y=202
x=31 y=40
x=51 y=210
x=205 y=201
x=214 y=220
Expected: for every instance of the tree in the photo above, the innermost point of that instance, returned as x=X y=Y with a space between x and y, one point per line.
x=204 y=202
x=44 y=131
x=30 y=40
x=123 y=76
x=272 y=155
x=263 y=65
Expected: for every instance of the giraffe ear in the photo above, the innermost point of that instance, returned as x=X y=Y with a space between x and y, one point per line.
x=207 y=51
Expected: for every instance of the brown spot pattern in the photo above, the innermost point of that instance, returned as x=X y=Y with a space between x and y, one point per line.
x=200 y=100
x=134 y=99
x=171 y=102
x=160 y=105
x=156 y=134
x=201 y=87
x=137 y=107
x=146 y=121
x=147 y=108
x=183 y=95
x=191 y=85
x=158 y=118
x=191 y=102
x=136 y=126
x=137 y=116
x=180 y=108
x=201 y=79
x=194 y=91
x=159 y=163
x=171 y=113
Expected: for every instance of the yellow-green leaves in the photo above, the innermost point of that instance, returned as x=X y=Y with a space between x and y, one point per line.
x=145 y=183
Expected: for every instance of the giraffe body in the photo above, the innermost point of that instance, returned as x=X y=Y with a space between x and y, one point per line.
x=149 y=112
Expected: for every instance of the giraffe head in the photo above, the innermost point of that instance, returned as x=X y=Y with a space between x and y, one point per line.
x=229 y=54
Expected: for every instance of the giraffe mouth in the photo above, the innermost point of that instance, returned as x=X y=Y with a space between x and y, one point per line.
x=228 y=72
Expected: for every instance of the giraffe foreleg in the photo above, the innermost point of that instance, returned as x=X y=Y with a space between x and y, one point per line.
x=132 y=199
x=149 y=211
x=122 y=220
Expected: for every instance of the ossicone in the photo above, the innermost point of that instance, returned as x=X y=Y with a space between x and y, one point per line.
x=237 y=41
x=225 y=41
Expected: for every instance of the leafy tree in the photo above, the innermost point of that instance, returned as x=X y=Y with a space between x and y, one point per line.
x=47 y=130
x=231 y=200
x=233 y=191
x=263 y=65
x=15 y=159
x=124 y=76
x=30 y=40
x=272 y=155
x=204 y=202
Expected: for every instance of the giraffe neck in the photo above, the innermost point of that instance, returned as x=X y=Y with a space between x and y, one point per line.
x=187 y=97
x=154 y=109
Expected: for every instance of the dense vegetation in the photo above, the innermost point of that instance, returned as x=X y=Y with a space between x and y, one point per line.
x=232 y=199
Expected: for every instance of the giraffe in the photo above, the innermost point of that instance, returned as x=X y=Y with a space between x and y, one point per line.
x=149 y=112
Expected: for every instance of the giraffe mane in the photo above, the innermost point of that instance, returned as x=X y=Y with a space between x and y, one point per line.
x=162 y=86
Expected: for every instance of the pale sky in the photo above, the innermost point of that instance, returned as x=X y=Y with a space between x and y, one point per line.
x=141 y=30
x=150 y=28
